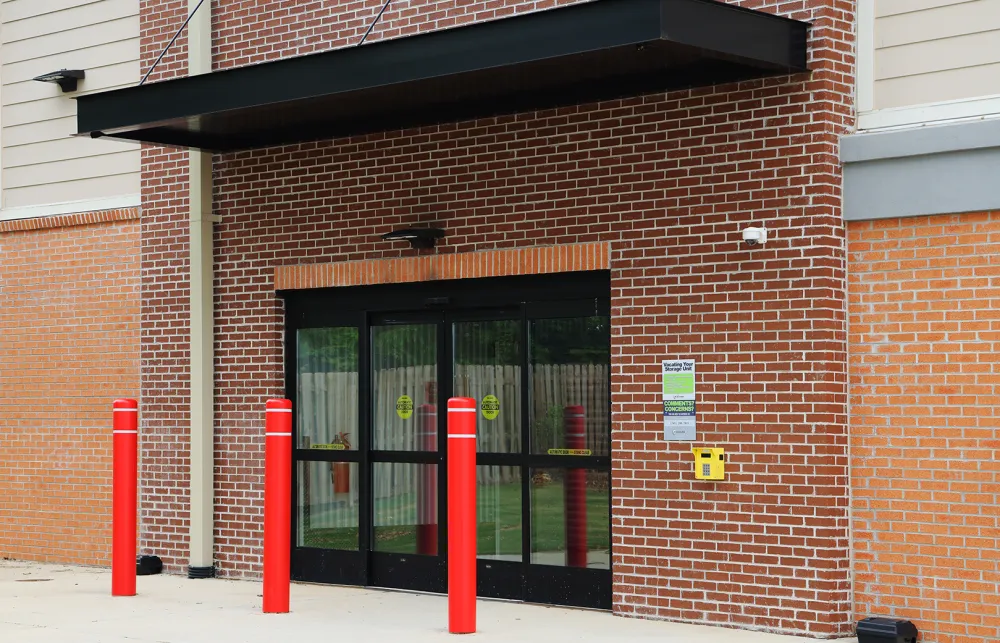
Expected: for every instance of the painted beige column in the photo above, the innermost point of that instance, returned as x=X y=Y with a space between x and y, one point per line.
x=201 y=554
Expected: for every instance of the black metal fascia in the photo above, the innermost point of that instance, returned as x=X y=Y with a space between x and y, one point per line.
x=499 y=43
x=763 y=41
x=753 y=36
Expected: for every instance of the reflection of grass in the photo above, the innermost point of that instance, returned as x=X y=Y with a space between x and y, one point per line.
x=336 y=538
x=549 y=524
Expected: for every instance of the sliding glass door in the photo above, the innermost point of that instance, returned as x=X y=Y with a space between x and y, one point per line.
x=370 y=388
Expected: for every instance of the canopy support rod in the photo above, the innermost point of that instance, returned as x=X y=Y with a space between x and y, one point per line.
x=172 y=40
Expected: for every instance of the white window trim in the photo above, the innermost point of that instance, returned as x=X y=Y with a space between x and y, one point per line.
x=911 y=115
x=969 y=108
x=866 y=56
x=71 y=207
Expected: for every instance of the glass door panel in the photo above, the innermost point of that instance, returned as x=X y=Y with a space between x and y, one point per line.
x=328 y=505
x=498 y=500
x=404 y=474
x=327 y=482
x=569 y=384
x=487 y=368
x=570 y=422
x=405 y=496
x=404 y=383
x=569 y=518
x=327 y=395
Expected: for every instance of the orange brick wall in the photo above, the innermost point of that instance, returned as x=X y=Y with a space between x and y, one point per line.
x=924 y=309
x=69 y=344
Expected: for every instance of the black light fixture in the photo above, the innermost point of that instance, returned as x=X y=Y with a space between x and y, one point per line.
x=67 y=79
x=418 y=237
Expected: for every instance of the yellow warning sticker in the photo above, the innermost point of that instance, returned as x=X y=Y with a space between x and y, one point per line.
x=328 y=447
x=490 y=406
x=569 y=451
x=404 y=406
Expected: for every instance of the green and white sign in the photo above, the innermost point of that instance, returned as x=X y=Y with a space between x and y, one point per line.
x=678 y=400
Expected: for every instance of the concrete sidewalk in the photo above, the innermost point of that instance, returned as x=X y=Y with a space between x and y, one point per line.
x=59 y=603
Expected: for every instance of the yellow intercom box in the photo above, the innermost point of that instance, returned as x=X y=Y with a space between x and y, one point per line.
x=709 y=464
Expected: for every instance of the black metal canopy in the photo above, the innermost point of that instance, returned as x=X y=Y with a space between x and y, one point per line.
x=580 y=53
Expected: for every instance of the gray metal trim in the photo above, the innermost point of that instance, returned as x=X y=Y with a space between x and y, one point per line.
x=936 y=139
x=905 y=186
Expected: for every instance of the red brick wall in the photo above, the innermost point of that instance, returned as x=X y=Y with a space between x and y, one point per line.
x=69 y=334
x=925 y=414
x=668 y=181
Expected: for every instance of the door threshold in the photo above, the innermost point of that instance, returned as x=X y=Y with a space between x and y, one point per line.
x=396 y=590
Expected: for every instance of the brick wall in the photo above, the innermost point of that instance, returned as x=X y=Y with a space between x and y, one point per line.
x=667 y=181
x=925 y=413
x=69 y=332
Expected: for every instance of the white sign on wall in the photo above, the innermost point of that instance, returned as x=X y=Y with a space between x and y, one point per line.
x=678 y=400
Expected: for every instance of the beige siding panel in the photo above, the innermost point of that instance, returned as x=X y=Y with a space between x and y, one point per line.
x=97 y=56
x=39 y=132
x=893 y=7
x=36 y=111
x=69 y=170
x=954 y=84
x=97 y=80
x=941 y=22
x=64 y=43
x=20 y=9
x=68 y=19
x=42 y=162
x=64 y=148
x=938 y=55
x=96 y=188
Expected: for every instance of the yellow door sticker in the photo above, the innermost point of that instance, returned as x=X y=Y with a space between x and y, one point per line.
x=404 y=406
x=490 y=407
x=329 y=447
x=569 y=451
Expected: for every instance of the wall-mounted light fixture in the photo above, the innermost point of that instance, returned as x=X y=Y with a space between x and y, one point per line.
x=67 y=79
x=418 y=237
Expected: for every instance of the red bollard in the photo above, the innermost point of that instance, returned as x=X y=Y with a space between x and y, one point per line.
x=427 y=529
x=462 y=515
x=575 y=490
x=277 y=505
x=125 y=483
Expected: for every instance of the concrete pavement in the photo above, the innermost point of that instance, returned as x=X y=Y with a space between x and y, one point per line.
x=60 y=603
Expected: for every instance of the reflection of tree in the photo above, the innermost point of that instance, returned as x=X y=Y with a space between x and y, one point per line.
x=488 y=343
x=404 y=345
x=577 y=340
x=328 y=350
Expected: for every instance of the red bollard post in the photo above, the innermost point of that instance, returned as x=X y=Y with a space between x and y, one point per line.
x=125 y=483
x=462 y=515
x=427 y=529
x=575 y=490
x=277 y=505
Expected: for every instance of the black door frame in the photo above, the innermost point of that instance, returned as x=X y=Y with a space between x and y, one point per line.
x=444 y=302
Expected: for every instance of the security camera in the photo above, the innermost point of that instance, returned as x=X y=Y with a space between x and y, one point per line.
x=754 y=236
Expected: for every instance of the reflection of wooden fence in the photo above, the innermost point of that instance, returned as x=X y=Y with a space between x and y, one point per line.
x=556 y=386
x=328 y=406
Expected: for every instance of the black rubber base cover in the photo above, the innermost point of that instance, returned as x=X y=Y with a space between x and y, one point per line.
x=201 y=572
x=148 y=565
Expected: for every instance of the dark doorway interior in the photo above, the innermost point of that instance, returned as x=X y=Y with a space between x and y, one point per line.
x=370 y=371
